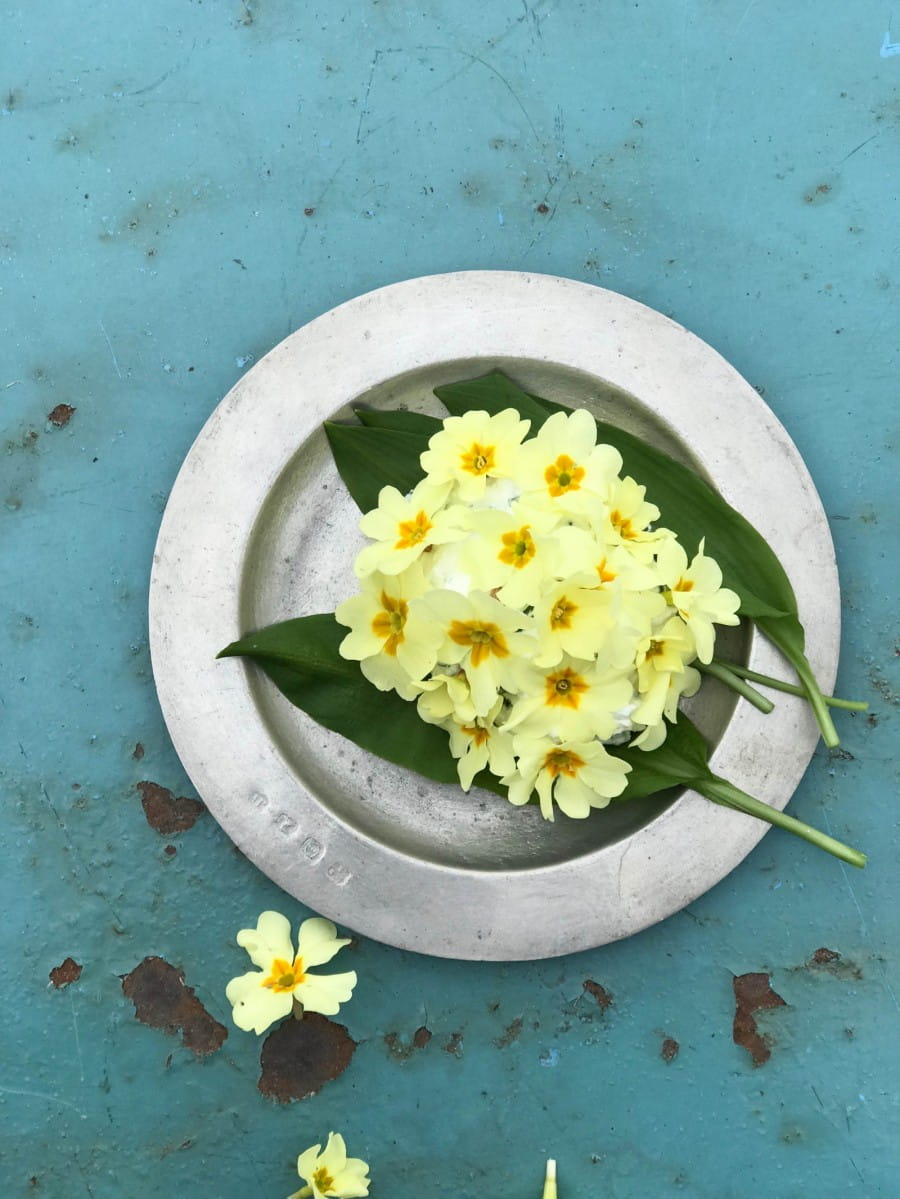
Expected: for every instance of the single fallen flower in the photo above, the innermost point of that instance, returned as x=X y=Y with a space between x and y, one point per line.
x=330 y=1174
x=261 y=997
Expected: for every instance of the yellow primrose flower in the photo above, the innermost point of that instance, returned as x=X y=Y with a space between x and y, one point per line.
x=628 y=518
x=572 y=620
x=660 y=705
x=261 y=997
x=508 y=554
x=697 y=594
x=575 y=775
x=445 y=696
x=473 y=448
x=563 y=469
x=572 y=700
x=394 y=639
x=330 y=1173
x=483 y=636
x=664 y=651
x=480 y=745
x=606 y=566
x=404 y=527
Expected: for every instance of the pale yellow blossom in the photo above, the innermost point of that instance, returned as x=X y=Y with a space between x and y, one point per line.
x=571 y=701
x=259 y=998
x=697 y=594
x=394 y=639
x=405 y=527
x=563 y=469
x=474 y=448
x=330 y=1174
x=575 y=775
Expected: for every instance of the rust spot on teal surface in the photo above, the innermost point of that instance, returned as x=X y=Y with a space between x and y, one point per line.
x=603 y=997
x=829 y=961
x=753 y=993
x=454 y=1045
x=669 y=1050
x=300 y=1056
x=61 y=415
x=167 y=813
x=509 y=1034
x=67 y=972
x=138 y=752
x=161 y=1000
x=399 y=1050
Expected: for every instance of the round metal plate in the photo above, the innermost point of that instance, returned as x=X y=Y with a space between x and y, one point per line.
x=259 y=528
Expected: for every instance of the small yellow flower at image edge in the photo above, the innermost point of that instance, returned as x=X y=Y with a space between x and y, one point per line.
x=330 y=1174
x=260 y=997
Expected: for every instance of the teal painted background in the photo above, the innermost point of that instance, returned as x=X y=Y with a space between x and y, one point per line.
x=184 y=184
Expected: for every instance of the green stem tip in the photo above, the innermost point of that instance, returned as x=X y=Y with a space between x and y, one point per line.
x=765 y=680
x=725 y=793
x=725 y=673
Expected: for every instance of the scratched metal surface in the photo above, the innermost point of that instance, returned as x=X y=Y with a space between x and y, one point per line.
x=185 y=184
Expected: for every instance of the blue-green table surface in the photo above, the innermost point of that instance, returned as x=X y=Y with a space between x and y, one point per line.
x=185 y=183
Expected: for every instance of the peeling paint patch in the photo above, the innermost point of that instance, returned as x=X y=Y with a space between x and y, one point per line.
x=138 y=751
x=398 y=1050
x=753 y=993
x=161 y=1000
x=67 y=972
x=454 y=1045
x=829 y=961
x=166 y=813
x=603 y=997
x=669 y=1050
x=61 y=415
x=509 y=1034
x=300 y=1056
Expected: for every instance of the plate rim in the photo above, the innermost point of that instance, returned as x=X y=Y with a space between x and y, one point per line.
x=196 y=580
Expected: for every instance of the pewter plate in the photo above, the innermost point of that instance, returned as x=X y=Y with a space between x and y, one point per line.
x=259 y=528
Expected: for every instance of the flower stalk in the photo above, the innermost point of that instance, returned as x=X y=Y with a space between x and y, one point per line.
x=729 y=796
x=765 y=680
x=716 y=669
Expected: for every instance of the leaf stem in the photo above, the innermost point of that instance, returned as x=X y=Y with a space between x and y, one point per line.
x=726 y=674
x=753 y=676
x=729 y=796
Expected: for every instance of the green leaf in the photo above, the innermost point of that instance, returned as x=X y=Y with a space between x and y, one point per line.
x=301 y=658
x=681 y=761
x=401 y=421
x=492 y=393
x=369 y=459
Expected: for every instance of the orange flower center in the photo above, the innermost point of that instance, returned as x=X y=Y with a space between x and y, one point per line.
x=606 y=575
x=284 y=976
x=564 y=689
x=655 y=649
x=563 y=476
x=484 y=637
x=322 y=1179
x=479 y=736
x=518 y=548
x=623 y=524
x=684 y=585
x=477 y=459
x=562 y=613
x=411 y=532
x=390 y=622
x=563 y=761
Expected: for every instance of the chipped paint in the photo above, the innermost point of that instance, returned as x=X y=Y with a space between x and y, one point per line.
x=300 y=1056
x=67 y=972
x=669 y=1050
x=161 y=1000
x=166 y=813
x=753 y=993
x=603 y=997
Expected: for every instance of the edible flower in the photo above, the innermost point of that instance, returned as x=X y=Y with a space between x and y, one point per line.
x=330 y=1174
x=261 y=997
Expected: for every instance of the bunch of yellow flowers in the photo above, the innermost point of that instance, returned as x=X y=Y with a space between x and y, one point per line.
x=525 y=597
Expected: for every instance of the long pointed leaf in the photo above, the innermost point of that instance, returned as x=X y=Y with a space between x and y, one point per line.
x=369 y=459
